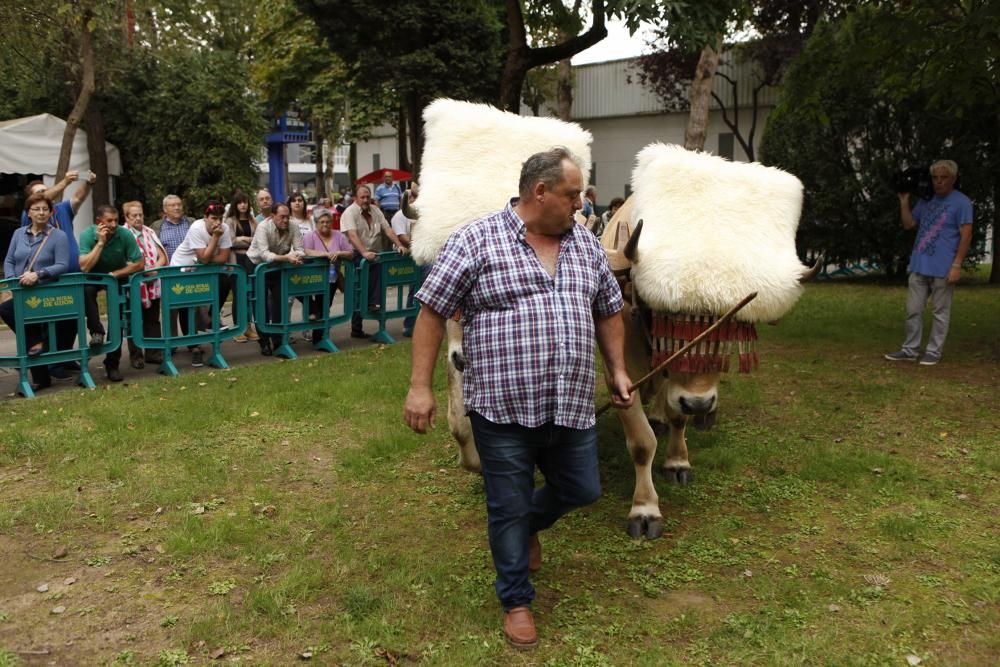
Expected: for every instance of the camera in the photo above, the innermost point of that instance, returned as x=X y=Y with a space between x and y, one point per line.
x=915 y=180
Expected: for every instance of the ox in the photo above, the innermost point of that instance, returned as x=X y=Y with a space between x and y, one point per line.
x=669 y=399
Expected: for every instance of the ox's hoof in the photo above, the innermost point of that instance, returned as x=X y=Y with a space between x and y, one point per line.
x=680 y=476
x=650 y=527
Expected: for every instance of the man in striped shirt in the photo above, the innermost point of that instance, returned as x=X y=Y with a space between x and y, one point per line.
x=534 y=288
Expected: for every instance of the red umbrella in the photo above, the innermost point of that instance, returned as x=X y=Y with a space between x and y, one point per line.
x=377 y=176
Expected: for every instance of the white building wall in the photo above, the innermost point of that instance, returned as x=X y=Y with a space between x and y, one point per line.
x=617 y=141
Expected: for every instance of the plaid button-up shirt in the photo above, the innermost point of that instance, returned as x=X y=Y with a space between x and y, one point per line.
x=528 y=337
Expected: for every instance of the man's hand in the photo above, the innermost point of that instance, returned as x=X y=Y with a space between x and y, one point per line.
x=954 y=274
x=293 y=258
x=71 y=176
x=370 y=256
x=92 y=178
x=618 y=388
x=420 y=409
x=103 y=233
x=215 y=227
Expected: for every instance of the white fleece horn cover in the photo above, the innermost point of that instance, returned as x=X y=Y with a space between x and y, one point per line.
x=713 y=232
x=472 y=162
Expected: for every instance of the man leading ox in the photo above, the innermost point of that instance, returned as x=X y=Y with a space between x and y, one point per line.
x=533 y=289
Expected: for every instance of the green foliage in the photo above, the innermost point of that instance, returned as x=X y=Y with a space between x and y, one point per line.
x=293 y=68
x=856 y=107
x=186 y=124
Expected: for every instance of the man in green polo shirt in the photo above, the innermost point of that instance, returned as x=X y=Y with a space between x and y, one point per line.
x=107 y=248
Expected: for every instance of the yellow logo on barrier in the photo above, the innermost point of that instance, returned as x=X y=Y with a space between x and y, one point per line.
x=400 y=271
x=197 y=288
x=33 y=302
x=306 y=280
x=62 y=300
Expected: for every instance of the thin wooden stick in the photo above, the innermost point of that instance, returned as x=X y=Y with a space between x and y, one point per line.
x=676 y=355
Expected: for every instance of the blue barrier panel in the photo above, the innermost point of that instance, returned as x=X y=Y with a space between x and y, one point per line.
x=186 y=289
x=305 y=281
x=53 y=303
x=395 y=270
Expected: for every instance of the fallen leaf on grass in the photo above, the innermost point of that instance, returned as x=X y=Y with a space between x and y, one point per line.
x=306 y=655
x=877 y=471
x=747 y=573
x=254 y=414
x=878 y=580
x=913 y=660
x=58 y=610
x=60 y=552
x=217 y=653
x=69 y=581
x=202 y=384
x=833 y=608
x=198 y=510
x=42 y=588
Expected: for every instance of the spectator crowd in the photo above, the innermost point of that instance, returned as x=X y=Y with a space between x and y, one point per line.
x=243 y=231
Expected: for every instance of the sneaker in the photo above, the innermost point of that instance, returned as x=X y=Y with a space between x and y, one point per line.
x=929 y=359
x=96 y=339
x=251 y=333
x=240 y=339
x=197 y=358
x=902 y=355
x=307 y=336
x=358 y=334
x=114 y=374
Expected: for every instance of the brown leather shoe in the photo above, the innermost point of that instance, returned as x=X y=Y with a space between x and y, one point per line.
x=519 y=628
x=534 y=554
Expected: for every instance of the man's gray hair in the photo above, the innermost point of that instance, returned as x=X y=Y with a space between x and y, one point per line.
x=948 y=165
x=169 y=198
x=546 y=167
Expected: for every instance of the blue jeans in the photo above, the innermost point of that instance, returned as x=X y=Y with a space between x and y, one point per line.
x=515 y=509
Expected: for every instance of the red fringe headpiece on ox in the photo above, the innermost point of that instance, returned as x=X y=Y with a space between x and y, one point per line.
x=713 y=231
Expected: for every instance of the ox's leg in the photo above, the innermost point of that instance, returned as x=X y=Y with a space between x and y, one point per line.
x=676 y=466
x=458 y=423
x=644 y=519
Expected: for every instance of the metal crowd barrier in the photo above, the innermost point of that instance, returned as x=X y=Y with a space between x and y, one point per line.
x=395 y=270
x=48 y=305
x=306 y=281
x=186 y=289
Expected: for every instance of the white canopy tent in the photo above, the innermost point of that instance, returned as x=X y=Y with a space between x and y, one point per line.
x=31 y=145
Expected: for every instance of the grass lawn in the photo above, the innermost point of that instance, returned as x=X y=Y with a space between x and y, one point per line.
x=844 y=512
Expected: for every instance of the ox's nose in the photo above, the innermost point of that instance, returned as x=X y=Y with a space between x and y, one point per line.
x=696 y=406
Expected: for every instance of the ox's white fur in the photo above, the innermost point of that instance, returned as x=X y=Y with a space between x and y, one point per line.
x=714 y=231
x=471 y=163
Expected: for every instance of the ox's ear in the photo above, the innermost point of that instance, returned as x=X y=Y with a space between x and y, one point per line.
x=408 y=210
x=631 y=251
x=811 y=272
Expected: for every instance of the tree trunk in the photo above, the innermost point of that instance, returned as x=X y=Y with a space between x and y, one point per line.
x=995 y=270
x=564 y=90
x=101 y=194
x=521 y=57
x=401 y=138
x=352 y=164
x=701 y=94
x=414 y=111
x=82 y=99
x=318 y=138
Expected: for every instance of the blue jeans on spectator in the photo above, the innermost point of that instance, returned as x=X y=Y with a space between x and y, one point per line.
x=515 y=509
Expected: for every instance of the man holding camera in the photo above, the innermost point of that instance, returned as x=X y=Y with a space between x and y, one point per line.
x=944 y=231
